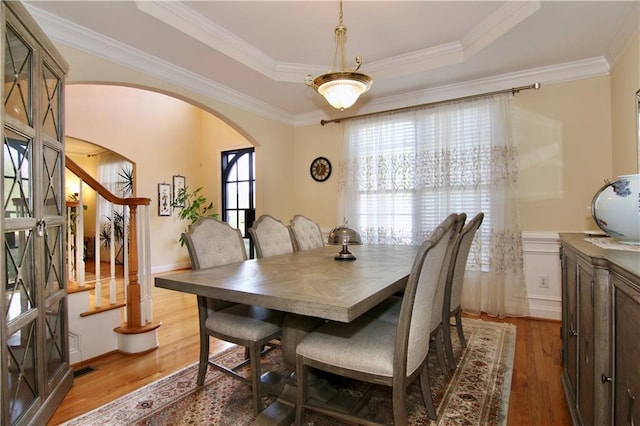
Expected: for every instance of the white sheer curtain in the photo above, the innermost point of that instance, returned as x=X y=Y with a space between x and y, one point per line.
x=403 y=173
x=109 y=167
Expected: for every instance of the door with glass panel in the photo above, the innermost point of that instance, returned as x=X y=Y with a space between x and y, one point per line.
x=238 y=192
x=35 y=373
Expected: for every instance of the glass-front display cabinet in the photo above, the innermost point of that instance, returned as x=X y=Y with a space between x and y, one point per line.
x=34 y=356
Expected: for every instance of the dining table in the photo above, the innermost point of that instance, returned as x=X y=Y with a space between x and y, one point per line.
x=312 y=286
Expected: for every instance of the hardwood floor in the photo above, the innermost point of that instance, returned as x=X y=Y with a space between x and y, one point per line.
x=536 y=397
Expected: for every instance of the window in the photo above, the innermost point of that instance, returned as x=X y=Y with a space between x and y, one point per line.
x=406 y=172
x=238 y=192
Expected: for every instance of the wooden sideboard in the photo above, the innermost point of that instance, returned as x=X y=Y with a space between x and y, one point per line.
x=600 y=332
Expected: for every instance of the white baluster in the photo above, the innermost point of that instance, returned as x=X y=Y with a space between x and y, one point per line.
x=125 y=227
x=96 y=250
x=112 y=253
x=146 y=245
x=80 y=238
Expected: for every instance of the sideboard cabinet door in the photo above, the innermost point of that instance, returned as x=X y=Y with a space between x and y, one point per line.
x=587 y=324
x=586 y=343
x=570 y=324
x=627 y=344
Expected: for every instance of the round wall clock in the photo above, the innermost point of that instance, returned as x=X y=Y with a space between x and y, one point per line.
x=320 y=169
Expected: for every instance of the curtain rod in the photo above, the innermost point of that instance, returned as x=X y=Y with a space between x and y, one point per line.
x=513 y=91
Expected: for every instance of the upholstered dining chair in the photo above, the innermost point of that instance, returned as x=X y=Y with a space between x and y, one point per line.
x=457 y=222
x=389 y=309
x=377 y=351
x=213 y=243
x=270 y=237
x=307 y=234
x=454 y=286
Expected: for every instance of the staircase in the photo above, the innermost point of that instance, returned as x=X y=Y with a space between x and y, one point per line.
x=109 y=302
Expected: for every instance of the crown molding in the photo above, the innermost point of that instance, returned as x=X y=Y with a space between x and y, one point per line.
x=83 y=39
x=187 y=21
x=418 y=61
x=497 y=24
x=569 y=71
x=626 y=33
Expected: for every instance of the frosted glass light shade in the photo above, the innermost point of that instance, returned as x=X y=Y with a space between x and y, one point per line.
x=342 y=89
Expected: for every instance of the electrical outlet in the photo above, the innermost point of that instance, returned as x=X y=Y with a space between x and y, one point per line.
x=543 y=281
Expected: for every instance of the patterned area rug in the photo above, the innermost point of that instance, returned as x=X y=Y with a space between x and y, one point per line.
x=477 y=393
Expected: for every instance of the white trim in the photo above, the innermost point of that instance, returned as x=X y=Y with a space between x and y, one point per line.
x=67 y=33
x=541 y=258
x=170 y=267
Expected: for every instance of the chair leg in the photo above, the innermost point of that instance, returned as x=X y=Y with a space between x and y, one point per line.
x=463 y=341
x=426 y=393
x=203 y=365
x=399 y=405
x=254 y=355
x=301 y=389
x=440 y=351
x=448 y=349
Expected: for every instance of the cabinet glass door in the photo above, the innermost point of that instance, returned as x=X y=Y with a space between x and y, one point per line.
x=34 y=349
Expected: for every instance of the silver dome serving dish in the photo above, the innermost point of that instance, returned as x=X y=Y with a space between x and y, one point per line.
x=338 y=234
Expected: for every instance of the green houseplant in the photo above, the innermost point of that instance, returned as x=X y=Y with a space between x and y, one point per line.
x=193 y=206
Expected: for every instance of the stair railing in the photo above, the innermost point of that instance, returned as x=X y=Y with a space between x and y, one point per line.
x=136 y=246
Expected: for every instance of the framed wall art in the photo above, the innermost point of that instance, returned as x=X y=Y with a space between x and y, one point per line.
x=179 y=183
x=164 y=199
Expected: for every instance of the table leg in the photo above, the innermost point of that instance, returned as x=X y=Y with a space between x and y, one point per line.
x=282 y=412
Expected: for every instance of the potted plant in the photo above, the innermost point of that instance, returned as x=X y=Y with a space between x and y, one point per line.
x=193 y=206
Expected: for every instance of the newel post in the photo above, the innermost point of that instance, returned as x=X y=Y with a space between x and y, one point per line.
x=134 y=318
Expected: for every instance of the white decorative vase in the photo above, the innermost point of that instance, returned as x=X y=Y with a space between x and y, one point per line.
x=616 y=208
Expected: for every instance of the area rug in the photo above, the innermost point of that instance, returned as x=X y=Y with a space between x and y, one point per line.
x=476 y=393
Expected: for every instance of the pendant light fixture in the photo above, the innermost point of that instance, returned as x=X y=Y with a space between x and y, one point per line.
x=341 y=87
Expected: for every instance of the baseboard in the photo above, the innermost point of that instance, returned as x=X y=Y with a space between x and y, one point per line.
x=171 y=267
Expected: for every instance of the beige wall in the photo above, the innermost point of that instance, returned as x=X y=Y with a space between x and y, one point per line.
x=565 y=153
x=318 y=200
x=573 y=136
x=273 y=140
x=159 y=134
x=565 y=149
x=625 y=82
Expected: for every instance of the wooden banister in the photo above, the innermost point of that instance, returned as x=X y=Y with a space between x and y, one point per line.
x=134 y=317
x=101 y=189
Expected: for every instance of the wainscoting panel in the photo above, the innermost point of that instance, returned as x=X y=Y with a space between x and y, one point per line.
x=543 y=274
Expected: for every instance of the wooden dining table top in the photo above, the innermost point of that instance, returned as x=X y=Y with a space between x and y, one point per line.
x=310 y=282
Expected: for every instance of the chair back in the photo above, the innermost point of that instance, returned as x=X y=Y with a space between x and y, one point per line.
x=270 y=236
x=306 y=233
x=212 y=243
x=452 y=226
x=456 y=273
x=412 y=337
